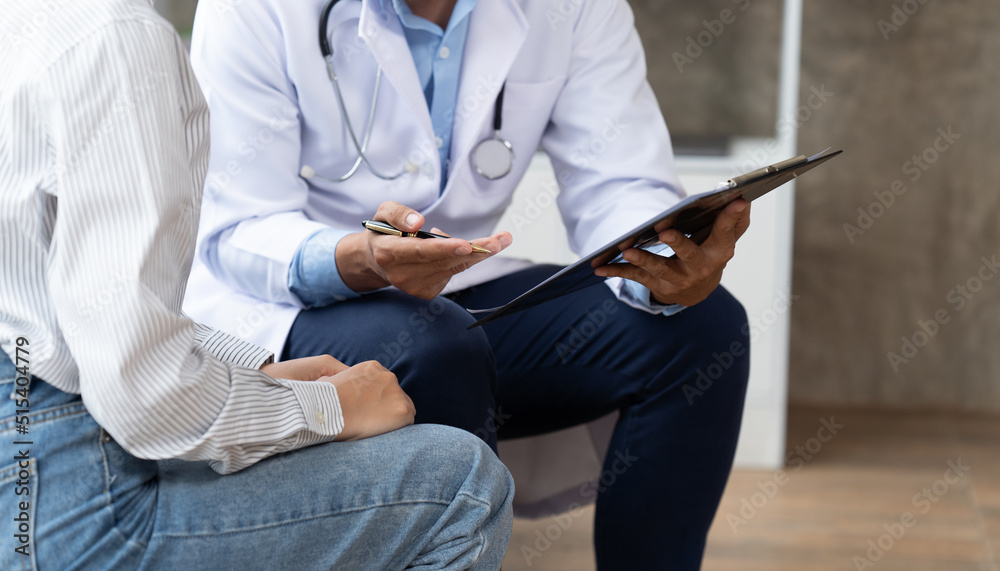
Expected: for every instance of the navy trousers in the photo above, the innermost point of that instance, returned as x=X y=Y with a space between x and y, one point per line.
x=679 y=384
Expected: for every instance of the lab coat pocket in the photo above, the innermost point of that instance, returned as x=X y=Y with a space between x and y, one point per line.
x=532 y=95
x=527 y=108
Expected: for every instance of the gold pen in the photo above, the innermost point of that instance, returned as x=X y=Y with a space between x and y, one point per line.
x=383 y=228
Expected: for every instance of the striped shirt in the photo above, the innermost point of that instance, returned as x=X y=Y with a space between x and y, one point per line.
x=103 y=151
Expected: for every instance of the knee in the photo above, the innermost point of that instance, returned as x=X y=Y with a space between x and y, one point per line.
x=437 y=336
x=464 y=463
x=723 y=347
x=727 y=322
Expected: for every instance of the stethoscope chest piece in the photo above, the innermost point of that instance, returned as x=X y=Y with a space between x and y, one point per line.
x=493 y=158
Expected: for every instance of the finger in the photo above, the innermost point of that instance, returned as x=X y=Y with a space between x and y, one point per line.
x=722 y=240
x=460 y=263
x=730 y=216
x=638 y=275
x=376 y=366
x=505 y=239
x=653 y=264
x=661 y=270
x=687 y=251
x=400 y=216
x=319 y=366
x=627 y=271
x=743 y=224
x=440 y=232
x=331 y=366
x=412 y=409
x=421 y=251
x=305 y=368
x=495 y=244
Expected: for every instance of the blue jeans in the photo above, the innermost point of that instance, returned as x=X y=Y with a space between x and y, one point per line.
x=425 y=497
x=678 y=382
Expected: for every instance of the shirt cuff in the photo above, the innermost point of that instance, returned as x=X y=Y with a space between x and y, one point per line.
x=320 y=406
x=231 y=349
x=639 y=296
x=313 y=275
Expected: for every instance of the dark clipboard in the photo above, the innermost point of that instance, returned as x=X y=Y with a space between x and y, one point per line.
x=693 y=216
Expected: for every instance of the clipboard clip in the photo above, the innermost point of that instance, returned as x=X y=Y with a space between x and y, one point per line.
x=762 y=172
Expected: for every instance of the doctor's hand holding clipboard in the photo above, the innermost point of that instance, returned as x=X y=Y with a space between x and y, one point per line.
x=695 y=271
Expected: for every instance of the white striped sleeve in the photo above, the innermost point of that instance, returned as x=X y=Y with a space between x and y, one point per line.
x=128 y=127
x=232 y=349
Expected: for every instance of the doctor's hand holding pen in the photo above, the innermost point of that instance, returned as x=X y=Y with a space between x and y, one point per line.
x=696 y=270
x=370 y=260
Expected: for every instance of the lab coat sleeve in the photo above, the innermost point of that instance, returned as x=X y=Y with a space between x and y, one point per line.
x=253 y=216
x=607 y=138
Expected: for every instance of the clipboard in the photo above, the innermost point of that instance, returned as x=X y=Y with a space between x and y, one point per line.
x=693 y=216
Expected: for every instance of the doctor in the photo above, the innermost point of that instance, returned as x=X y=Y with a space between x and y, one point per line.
x=391 y=126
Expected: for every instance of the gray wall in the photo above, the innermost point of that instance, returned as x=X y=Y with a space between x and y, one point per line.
x=928 y=66
x=940 y=69
x=179 y=12
x=730 y=85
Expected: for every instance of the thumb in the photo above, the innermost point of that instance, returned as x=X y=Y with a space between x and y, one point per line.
x=400 y=216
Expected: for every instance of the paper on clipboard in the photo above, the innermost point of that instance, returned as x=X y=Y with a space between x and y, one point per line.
x=693 y=216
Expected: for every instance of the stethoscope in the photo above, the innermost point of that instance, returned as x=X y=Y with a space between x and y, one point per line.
x=492 y=158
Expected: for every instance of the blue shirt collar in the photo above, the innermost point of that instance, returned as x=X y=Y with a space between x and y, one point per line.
x=410 y=20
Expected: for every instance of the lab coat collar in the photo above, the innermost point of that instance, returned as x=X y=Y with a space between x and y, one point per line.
x=382 y=31
x=497 y=30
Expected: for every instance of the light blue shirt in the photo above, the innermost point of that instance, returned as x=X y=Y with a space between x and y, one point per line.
x=438 y=56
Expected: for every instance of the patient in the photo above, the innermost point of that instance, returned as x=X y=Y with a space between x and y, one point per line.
x=103 y=148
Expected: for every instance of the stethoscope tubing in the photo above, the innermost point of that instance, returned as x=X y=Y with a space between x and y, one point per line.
x=362 y=148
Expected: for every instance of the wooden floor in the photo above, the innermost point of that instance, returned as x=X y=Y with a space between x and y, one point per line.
x=839 y=496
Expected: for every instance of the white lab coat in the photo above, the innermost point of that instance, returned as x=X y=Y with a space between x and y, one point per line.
x=576 y=88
